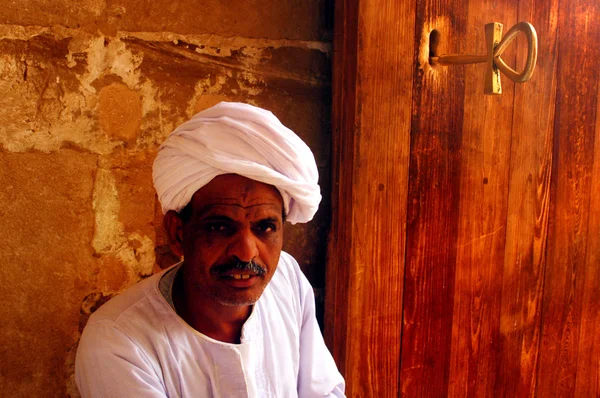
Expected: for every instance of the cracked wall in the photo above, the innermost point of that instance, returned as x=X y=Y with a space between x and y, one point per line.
x=90 y=89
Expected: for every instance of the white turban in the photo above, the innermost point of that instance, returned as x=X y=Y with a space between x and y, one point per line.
x=236 y=138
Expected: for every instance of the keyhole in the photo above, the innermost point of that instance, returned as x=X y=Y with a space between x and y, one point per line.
x=434 y=41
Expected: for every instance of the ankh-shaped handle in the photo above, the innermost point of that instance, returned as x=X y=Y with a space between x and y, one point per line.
x=496 y=45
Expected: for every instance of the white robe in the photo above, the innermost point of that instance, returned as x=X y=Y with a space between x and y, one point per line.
x=137 y=346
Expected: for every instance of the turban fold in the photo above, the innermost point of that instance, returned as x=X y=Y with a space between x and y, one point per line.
x=236 y=138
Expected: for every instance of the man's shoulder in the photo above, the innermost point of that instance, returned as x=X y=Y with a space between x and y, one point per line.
x=287 y=262
x=289 y=270
x=130 y=300
x=289 y=285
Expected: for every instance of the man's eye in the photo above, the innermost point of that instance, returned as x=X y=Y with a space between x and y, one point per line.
x=217 y=227
x=266 y=227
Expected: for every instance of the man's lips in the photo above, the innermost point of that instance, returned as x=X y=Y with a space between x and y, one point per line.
x=239 y=274
x=239 y=280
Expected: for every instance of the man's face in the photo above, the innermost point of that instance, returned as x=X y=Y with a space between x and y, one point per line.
x=233 y=221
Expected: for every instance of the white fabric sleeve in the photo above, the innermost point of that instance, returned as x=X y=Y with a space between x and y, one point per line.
x=110 y=365
x=318 y=374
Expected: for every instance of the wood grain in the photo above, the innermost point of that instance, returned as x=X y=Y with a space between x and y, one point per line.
x=483 y=207
x=343 y=119
x=528 y=210
x=366 y=260
x=568 y=276
x=588 y=359
x=433 y=204
x=499 y=284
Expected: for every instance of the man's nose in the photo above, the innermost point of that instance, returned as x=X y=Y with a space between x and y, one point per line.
x=244 y=246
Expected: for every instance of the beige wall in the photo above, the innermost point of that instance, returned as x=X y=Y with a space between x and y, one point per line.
x=88 y=91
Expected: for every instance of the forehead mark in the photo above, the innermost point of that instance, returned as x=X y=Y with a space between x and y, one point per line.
x=245 y=192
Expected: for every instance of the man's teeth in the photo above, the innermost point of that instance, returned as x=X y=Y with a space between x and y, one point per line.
x=235 y=276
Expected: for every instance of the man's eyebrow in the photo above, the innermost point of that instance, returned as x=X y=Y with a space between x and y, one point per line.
x=267 y=219
x=215 y=217
x=209 y=211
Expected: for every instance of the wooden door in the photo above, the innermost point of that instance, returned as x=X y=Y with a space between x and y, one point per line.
x=464 y=255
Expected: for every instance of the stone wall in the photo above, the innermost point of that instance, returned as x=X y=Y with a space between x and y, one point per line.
x=89 y=90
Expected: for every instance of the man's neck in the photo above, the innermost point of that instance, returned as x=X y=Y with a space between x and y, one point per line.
x=220 y=322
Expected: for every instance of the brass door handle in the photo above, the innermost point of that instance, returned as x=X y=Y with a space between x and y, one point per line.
x=496 y=45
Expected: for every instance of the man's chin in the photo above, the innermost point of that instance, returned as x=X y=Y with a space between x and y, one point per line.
x=239 y=299
x=238 y=303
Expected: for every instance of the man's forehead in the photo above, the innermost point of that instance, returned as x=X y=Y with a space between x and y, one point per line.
x=259 y=210
x=237 y=191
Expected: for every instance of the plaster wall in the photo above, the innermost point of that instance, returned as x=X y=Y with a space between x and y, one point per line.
x=89 y=91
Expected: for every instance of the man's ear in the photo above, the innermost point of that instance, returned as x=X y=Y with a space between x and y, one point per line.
x=174 y=228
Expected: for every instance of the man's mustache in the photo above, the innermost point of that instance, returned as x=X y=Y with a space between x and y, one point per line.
x=236 y=265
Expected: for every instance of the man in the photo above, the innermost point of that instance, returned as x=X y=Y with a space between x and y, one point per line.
x=236 y=318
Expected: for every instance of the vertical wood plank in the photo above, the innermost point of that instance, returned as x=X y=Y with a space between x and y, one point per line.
x=528 y=209
x=588 y=360
x=371 y=121
x=433 y=204
x=566 y=278
x=483 y=207
x=343 y=121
